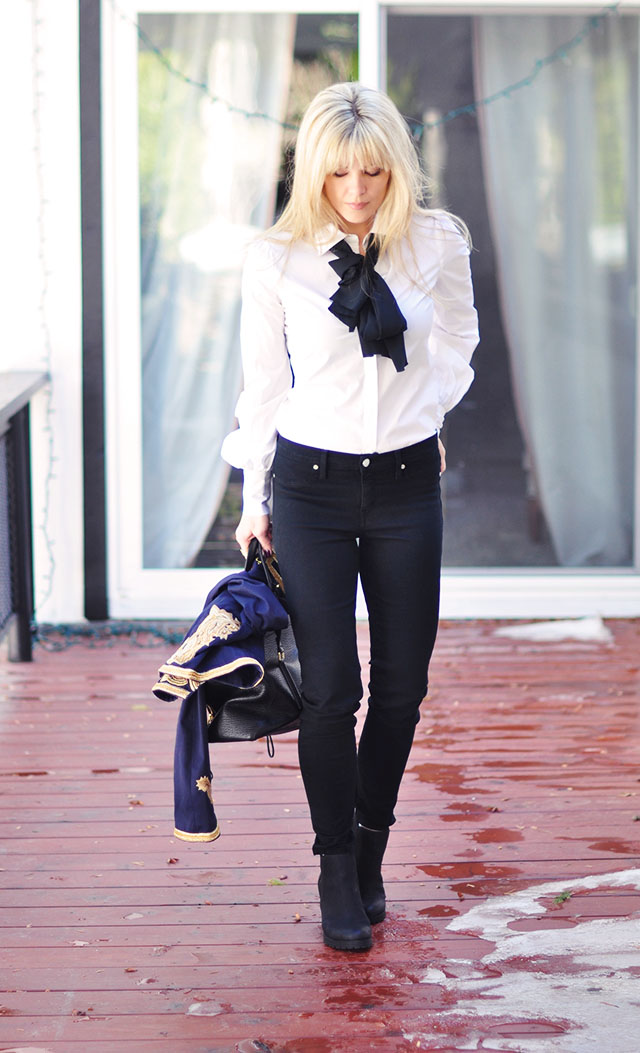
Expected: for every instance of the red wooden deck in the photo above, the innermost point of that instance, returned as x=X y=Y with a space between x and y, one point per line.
x=513 y=873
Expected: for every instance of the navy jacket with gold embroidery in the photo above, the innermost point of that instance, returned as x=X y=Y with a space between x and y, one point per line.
x=225 y=641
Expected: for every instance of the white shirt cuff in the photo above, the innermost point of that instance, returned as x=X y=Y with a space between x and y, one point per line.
x=256 y=492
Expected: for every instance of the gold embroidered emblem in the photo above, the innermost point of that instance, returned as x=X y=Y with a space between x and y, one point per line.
x=204 y=784
x=218 y=625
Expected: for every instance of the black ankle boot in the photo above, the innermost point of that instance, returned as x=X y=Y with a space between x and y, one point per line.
x=370 y=848
x=345 y=926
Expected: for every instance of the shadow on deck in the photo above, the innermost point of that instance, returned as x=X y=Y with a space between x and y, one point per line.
x=512 y=873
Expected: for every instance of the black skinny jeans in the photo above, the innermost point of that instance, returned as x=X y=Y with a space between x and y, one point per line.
x=336 y=516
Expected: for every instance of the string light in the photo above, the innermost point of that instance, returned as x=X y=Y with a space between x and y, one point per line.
x=44 y=272
x=53 y=637
x=186 y=79
x=417 y=127
x=560 y=54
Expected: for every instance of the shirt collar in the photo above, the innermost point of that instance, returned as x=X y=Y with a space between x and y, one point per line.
x=330 y=235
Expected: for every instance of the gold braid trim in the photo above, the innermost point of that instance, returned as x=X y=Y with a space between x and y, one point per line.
x=182 y=682
x=184 y=836
x=169 y=694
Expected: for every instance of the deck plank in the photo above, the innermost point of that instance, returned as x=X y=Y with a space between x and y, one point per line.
x=517 y=846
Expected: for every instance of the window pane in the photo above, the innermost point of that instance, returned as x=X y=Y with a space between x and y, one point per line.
x=541 y=451
x=212 y=174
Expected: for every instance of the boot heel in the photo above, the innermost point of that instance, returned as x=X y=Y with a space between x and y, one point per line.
x=345 y=925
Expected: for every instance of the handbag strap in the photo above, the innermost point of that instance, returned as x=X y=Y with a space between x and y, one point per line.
x=269 y=566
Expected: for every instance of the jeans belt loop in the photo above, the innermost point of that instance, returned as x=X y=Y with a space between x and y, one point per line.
x=324 y=456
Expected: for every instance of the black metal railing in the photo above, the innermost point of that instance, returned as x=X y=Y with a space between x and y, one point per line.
x=16 y=561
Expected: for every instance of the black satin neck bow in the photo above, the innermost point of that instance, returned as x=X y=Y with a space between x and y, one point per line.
x=363 y=300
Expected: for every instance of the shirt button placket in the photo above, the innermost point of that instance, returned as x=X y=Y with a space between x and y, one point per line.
x=370 y=404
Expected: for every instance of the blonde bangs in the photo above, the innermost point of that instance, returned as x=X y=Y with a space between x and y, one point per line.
x=357 y=145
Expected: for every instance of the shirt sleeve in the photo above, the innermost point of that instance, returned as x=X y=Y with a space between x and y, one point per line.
x=267 y=377
x=454 y=334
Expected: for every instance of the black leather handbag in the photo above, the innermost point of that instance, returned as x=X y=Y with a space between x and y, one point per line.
x=272 y=707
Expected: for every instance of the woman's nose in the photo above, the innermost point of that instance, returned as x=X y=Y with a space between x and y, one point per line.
x=356 y=183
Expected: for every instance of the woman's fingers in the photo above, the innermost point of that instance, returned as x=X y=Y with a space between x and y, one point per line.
x=443 y=456
x=254 y=526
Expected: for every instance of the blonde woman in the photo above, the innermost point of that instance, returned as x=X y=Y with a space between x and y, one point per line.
x=357 y=329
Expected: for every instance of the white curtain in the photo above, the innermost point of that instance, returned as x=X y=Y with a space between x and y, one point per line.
x=208 y=179
x=560 y=161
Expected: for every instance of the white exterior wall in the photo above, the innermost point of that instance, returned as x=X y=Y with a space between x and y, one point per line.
x=40 y=278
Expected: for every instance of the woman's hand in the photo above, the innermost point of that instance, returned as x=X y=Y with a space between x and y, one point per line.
x=443 y=456
x=254 y=526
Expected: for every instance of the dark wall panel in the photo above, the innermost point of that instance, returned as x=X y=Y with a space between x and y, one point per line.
x=95 y=551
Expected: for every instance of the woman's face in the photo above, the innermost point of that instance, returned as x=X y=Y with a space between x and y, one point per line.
x=356 y=194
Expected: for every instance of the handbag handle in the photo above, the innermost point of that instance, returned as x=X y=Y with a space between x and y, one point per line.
x=269 y=566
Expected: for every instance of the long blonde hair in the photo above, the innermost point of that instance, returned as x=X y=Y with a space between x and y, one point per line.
x=346 y=123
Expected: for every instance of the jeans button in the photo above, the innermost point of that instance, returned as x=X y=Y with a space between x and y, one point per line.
x=366 y=462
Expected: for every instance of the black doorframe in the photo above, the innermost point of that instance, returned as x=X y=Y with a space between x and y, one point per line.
x=96 y=605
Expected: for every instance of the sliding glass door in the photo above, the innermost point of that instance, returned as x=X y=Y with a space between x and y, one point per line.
x=544 y=170
x=527 y=128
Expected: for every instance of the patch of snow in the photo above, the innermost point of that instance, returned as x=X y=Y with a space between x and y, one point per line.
x=205 y=1009
x=492 y=917
x=589 y=996
x=432 y=976
x=586 y=630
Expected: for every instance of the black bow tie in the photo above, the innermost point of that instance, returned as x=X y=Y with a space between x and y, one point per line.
x=363 y=300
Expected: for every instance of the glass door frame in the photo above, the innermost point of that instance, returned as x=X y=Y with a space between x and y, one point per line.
x=137 y=592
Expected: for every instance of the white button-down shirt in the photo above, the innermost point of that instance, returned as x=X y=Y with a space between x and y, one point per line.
x=304 y=373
